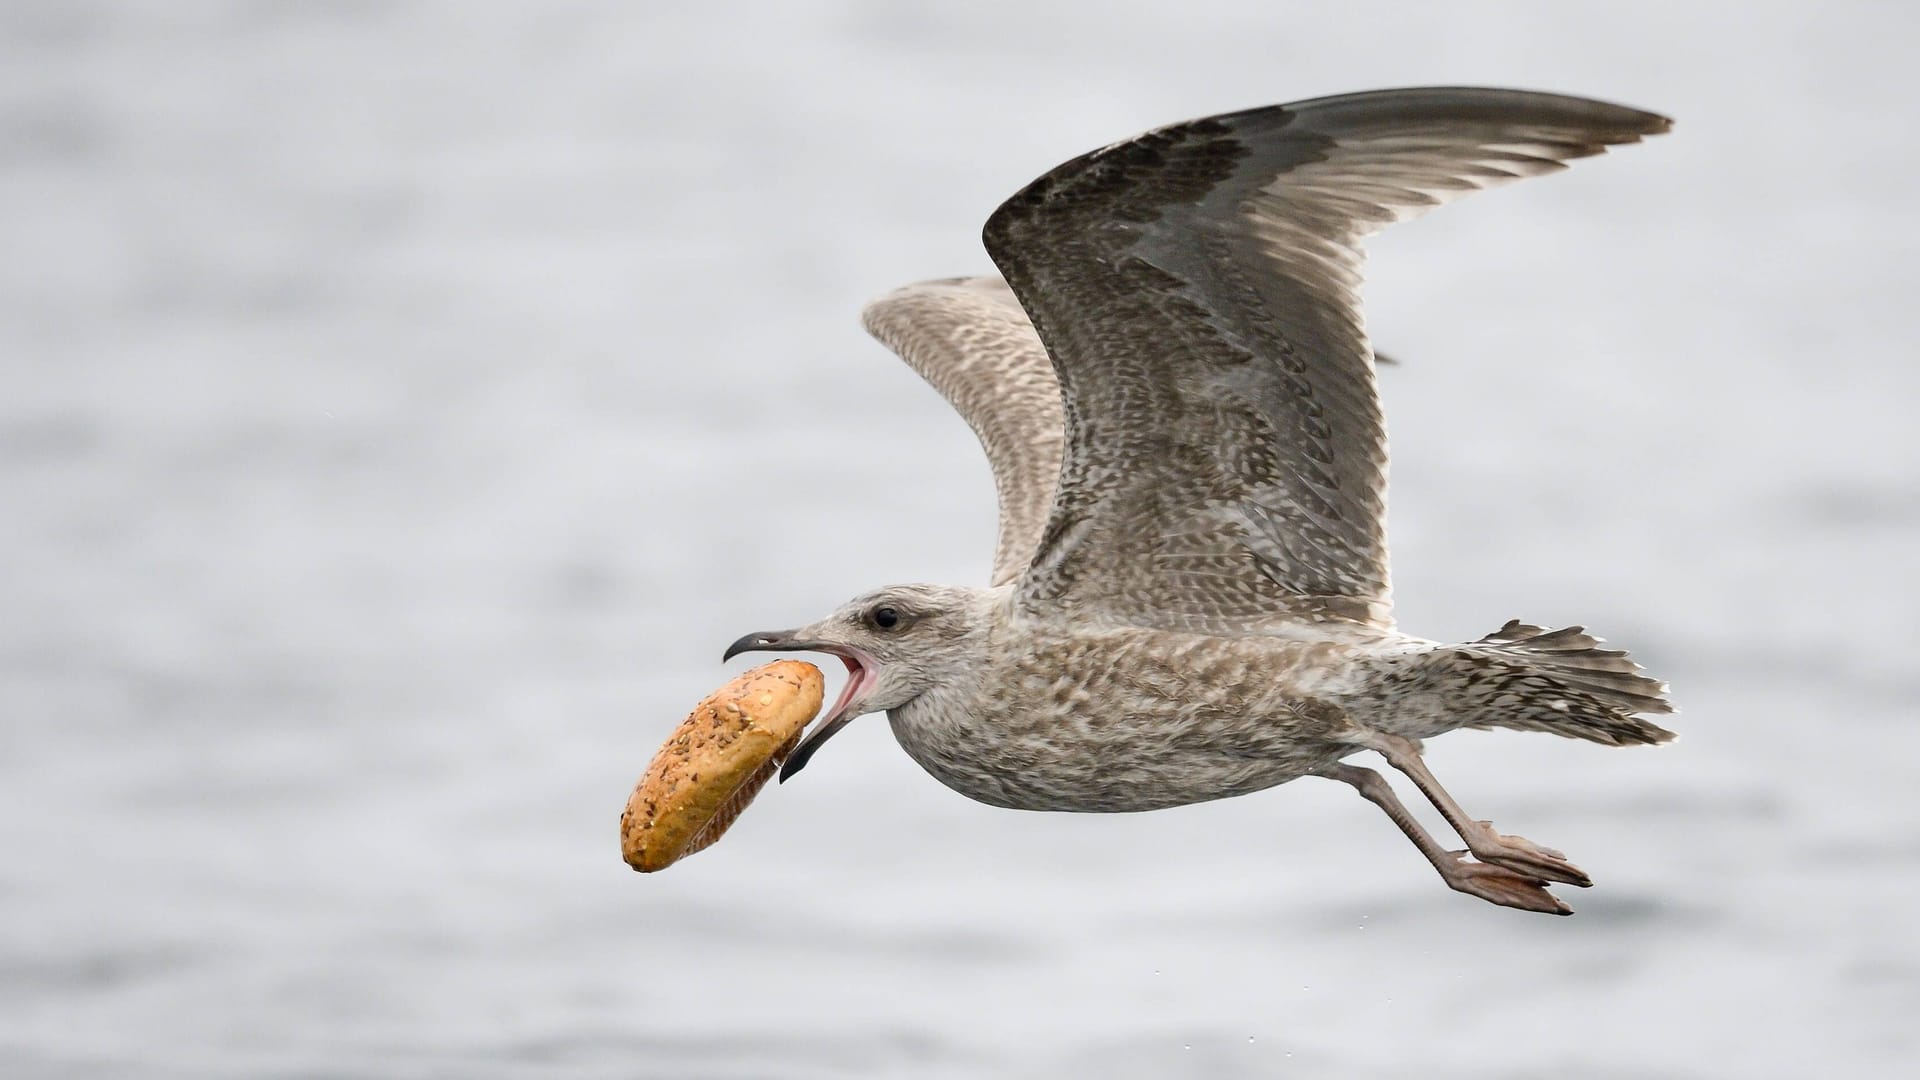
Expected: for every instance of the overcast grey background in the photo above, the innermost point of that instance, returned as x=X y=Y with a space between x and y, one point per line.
x=405 y=403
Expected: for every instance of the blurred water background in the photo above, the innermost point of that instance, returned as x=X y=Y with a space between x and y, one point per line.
x=404 y=404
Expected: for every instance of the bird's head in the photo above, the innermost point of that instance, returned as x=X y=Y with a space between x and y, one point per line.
x=897 y=642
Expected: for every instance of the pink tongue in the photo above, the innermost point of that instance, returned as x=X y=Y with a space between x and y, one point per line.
x=846 y=692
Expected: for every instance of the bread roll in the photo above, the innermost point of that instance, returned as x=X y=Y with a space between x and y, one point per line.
x=716 y=762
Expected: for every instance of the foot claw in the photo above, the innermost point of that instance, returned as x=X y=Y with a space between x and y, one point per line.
x=1525 y=857
x=1499 y=885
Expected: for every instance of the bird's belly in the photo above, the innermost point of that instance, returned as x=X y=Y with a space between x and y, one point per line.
x=1120 y=765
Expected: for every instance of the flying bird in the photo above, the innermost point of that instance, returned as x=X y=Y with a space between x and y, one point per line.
x=1190 y=595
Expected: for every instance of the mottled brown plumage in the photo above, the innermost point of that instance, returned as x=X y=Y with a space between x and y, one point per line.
x=970 y=338
x=1206 y=609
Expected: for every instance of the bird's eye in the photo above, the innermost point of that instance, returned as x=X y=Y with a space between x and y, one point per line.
x=886 y=618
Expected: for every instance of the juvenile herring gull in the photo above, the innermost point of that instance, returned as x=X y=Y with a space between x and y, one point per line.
x=1190 y=596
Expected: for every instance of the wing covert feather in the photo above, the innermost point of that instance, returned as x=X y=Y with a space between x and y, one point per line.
x=970 y=338
x=1197 y=289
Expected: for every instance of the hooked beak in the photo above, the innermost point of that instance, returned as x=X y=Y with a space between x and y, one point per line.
x=862 y=673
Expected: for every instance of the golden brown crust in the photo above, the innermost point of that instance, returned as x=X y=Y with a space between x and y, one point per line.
x=716 y=761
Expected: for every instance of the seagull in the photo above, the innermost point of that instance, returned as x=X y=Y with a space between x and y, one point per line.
x=1190 y=595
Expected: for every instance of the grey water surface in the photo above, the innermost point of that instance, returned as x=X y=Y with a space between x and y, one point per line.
x=404 y=404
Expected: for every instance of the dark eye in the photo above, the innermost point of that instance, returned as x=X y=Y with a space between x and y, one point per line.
x=886 y=618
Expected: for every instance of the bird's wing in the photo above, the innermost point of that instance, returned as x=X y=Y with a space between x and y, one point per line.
x=971 y=340
x=1196 y=287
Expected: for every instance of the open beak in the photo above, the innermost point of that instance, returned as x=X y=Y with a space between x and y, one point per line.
x=862 y=673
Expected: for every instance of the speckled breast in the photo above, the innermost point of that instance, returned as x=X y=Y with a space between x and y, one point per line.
x=1132 y=721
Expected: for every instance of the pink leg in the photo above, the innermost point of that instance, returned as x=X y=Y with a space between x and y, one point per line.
x=1515 y=853
x=1488 y=882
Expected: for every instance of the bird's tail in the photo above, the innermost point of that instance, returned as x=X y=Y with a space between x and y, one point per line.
x=1561 y=681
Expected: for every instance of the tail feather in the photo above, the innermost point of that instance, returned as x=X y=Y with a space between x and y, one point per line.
x=1564 y=682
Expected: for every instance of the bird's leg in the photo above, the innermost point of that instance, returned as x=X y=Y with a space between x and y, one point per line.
x=1484 y=880
x=1513 y=852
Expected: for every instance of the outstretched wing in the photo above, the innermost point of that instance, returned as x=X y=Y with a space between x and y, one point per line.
x=1197 y=289
x=971 y=340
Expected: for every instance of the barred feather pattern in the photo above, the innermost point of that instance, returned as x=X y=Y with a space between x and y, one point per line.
x=1197 y=288
x=1574 y=659
x=1523 y=678
x=969 y=338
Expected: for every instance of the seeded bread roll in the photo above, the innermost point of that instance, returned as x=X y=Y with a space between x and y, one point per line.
x=717 y=760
